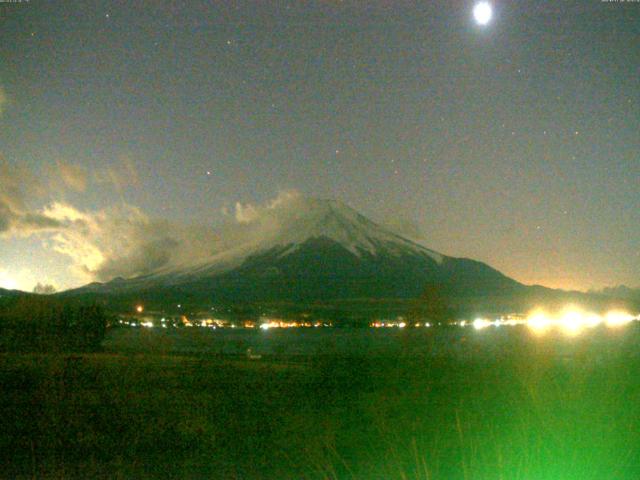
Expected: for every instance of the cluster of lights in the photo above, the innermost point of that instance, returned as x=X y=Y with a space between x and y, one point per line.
x=481 y=323
x=571 y=321
x=294 y=324
x=217 y=323
x=148 y=323
x=397 y=324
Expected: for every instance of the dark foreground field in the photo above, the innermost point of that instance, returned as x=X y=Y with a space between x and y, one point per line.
x=535 y=409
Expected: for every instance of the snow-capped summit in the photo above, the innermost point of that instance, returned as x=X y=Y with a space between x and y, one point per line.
x=304 y=218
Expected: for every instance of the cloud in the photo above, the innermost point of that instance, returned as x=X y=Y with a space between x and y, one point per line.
x=122 y=175
x=100 y=244
x=72 y=176
x=119 y=241
x=17 y=188
x=285 y=200
x=146 y=258
x=250 y=223
x=123 y=241
x=259 y=223
x=246 y=213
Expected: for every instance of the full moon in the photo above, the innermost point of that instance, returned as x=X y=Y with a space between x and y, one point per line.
x=482 y=12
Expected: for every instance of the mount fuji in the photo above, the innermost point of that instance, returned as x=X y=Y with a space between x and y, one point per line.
x=312 y=250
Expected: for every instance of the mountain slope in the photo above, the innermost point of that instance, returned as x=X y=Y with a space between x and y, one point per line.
x=11 y=293
x=621 y=291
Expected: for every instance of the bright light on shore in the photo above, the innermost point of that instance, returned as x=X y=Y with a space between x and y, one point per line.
x=617 y=318
x=572 y=320
x=480 y=323
x=538 y=322
x=592 y=320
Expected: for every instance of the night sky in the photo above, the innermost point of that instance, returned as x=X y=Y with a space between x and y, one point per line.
x=516 y=143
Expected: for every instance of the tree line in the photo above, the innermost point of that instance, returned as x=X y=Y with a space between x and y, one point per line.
x=36 y=323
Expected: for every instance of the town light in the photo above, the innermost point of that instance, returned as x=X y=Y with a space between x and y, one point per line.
x=617 y=318
x=480 y=323
x=572 y=322
x=538 y=322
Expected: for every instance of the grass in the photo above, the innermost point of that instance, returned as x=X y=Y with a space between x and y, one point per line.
x=525 y=411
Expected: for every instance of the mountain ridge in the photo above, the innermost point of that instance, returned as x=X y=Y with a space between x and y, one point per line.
x=322 y=252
